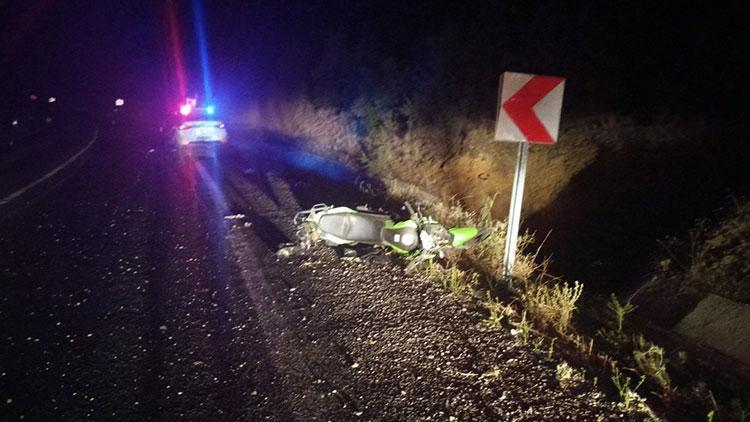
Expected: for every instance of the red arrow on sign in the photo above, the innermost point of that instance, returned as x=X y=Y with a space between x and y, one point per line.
x=520 y=108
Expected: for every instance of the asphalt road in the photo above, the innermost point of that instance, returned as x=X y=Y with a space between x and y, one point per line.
x=137 y=287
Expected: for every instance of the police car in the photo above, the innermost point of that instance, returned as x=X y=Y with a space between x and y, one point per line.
x=199 y=132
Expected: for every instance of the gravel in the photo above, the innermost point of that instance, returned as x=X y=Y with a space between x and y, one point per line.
x=390 y=346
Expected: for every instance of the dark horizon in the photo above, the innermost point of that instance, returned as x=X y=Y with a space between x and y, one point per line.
x=653 y=57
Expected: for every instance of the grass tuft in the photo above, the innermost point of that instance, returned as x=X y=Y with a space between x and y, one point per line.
x=451 y=278
x=498 y=311
x=649 y=359
x=550 y=304
x=523 y=328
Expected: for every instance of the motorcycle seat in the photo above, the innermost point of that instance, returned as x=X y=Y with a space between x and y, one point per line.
x=360 y=227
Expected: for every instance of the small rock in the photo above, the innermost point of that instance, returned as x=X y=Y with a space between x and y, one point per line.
x=234 y=217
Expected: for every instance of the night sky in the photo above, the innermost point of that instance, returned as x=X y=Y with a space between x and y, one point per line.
x=630 y=57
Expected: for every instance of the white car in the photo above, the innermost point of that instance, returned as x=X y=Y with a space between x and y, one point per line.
x=200 y=135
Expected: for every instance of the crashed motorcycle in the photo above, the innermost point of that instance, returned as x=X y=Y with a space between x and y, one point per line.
x=420 y=237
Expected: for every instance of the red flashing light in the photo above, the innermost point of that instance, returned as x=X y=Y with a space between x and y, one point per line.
x=185 y=109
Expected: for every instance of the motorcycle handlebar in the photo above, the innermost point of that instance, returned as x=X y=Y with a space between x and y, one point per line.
x=409 y=208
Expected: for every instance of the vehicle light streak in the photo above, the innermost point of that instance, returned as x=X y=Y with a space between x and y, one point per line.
x=198 y=19
x=176 y=48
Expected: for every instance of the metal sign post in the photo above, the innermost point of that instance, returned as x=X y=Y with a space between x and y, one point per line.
x=528 y=111
x=514 y=215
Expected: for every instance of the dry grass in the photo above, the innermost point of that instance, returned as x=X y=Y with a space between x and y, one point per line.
x=487 y=256
x=498 y=310
x=712 y=258
x=403 y=191
x=551 y=304
x=320 y=130
x=451 y=278
x=721 y=263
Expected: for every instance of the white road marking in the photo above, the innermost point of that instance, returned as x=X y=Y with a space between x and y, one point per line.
x=21 y=191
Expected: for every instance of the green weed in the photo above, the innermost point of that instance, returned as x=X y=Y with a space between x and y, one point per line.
x=498 y=311
x=551 y=348
x=628 y=394
x=620 y=310
x=523 y=328
x=649 y=359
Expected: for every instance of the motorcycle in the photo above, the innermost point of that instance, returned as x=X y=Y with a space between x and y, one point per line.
x=419 y=237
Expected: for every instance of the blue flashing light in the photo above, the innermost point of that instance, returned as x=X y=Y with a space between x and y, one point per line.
x=210 y=109
x=200 y=29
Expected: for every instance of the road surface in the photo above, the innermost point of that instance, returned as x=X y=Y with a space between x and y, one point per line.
x=136 y=287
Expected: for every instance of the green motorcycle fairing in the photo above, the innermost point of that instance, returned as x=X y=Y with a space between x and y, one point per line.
x=402 y=236
x=460 y=236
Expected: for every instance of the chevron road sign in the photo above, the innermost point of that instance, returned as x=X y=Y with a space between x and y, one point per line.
x=529 y=108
